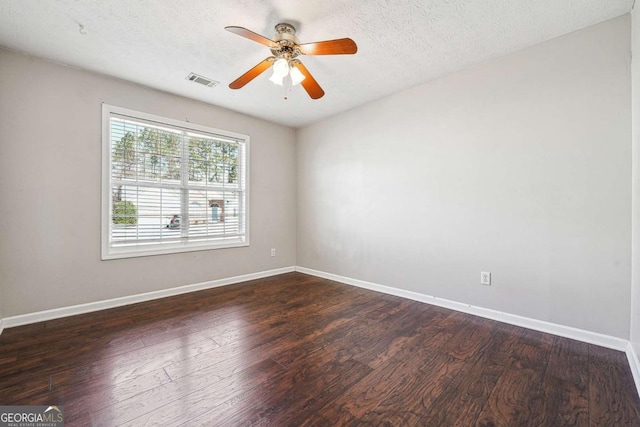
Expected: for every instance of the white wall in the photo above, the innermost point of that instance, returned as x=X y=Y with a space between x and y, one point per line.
x=520 y=166
x=50 y=145
x=635 y=83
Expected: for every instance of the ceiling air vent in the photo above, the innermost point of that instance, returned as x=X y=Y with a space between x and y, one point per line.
x=201 y=80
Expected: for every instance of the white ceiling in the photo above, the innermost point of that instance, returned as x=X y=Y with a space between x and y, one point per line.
x=401 y=43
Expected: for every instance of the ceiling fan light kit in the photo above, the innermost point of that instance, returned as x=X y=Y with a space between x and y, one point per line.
x=283 y=68
x=287 y=69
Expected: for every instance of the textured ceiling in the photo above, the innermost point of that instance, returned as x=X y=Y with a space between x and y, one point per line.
x=400 y=43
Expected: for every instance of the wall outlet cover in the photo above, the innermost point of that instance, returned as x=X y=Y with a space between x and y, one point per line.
x=485 y=278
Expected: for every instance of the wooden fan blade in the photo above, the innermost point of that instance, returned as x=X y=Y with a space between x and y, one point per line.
x=251 y=36
x=330 y=47
x=309 y=83
x=252 y=73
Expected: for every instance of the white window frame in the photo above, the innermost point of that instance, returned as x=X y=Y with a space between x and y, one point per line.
x=117 y=252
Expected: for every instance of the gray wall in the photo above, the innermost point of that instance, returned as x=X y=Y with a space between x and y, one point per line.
x=520 y=166
x=635 y=82
x=50 y=148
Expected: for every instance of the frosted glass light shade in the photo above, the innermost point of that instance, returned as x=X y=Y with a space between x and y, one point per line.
x=296 y=76
x=280 y=70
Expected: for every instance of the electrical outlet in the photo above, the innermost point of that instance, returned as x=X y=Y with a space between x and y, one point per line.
x=273 y=251
x=485 y=278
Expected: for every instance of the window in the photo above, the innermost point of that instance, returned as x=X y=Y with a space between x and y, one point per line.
x=170 y=186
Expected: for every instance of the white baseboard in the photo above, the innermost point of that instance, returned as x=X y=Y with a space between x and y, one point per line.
x=41 y=316
x=634 y=364
x=512 y=319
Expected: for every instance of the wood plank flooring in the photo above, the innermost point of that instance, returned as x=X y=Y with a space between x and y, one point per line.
x=296 y=350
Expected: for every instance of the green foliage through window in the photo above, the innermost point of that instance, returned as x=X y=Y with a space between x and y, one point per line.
x=212 y=161
x=148 y=153
x=125 y=212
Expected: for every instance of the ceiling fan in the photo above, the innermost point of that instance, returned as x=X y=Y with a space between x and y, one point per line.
x=285 y=48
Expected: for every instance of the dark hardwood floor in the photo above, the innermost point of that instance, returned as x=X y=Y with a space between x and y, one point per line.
x=299 y=350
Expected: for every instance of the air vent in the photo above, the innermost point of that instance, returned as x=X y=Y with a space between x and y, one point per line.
x=201 y=80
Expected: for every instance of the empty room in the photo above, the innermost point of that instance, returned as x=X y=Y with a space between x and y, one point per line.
x=281 y=213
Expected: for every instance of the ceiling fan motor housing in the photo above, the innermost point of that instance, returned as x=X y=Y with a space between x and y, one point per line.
x=287 y=42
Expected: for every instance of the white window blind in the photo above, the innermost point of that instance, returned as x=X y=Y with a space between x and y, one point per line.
x=170 y=186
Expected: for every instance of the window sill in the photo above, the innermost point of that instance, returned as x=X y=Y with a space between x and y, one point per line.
x=133 y=251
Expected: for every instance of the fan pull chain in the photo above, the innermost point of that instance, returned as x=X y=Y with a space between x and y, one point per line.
x=286 y=85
